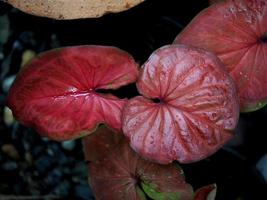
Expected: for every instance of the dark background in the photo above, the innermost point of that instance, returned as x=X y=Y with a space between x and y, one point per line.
x=37 y=167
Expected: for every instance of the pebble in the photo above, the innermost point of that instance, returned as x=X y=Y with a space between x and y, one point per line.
x=262 y=167
x=68 y=145
x=53 y=178
x=8 y=82
x=44 y=163
x=8 y=116
x=62 y=189
x=4 y=29
x=1 y=55
x=83 y=192
x=28 y=158
x=11 y=151
x=80 y=169
x=37 y=150
x=9 y=166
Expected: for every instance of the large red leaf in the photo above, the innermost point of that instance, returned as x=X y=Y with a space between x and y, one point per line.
x=195 y=107
x=57 y=92
x=236 y=31
x=122 y=174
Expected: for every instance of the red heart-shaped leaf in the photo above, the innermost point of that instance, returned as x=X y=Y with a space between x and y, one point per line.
x=100 y=143
x=206 y=193
x=195 y=111
x=57 y=94
x=236 y=31
x=123 y=174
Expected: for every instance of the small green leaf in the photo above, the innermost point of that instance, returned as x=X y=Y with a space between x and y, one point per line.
x=256 y=107
x=152 y=192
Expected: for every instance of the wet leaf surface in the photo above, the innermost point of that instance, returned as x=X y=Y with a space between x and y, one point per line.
x=235 y=31
x=57 y=93
x=189 y=106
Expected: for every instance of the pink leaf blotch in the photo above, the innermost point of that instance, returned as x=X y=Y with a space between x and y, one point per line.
x=116 y=172
x=57 y=93
x=236 y=31
x=189 y=106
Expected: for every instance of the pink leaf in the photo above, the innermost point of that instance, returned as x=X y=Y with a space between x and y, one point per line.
x=236 y=31
x=195 y=108
x=57 y=92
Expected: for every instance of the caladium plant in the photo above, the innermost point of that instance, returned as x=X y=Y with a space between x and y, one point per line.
x=57 y=93
x=189 y=106
x=188 y=110
x=236 y=31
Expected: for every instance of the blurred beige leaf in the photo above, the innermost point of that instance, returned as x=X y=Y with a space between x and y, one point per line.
x=72 y=9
